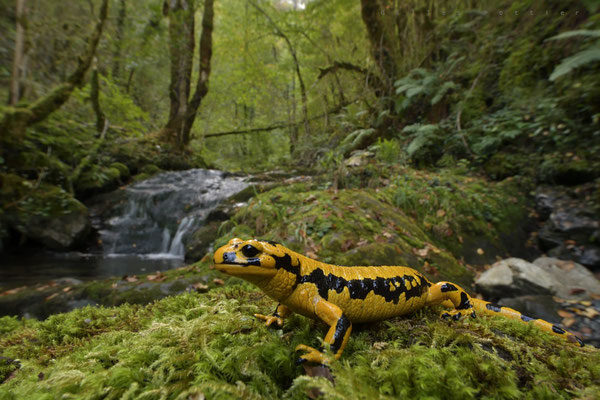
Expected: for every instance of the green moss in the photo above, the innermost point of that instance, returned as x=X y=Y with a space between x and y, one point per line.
x=97 y=179
x=123 y=170
x=560 y=169
x=210 y=344
x=150 y=169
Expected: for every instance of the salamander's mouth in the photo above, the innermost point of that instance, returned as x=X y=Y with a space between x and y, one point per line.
x=240 y=269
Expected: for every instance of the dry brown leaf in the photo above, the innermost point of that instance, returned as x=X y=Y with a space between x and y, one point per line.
x=131 y=278
x=200 y=287
x=13 y=291
x=362 y=242
x=218 y=281
x=568 y=322
x=53 y=295
x=67 y=289
x=576 y=291
x=565 y=314
x=591 y=312
x=480 y=251
x=440 y=213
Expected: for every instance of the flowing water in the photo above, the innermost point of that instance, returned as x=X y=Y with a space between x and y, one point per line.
x=145 y=230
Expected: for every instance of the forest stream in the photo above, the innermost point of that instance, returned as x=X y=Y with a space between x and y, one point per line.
x=141 y=228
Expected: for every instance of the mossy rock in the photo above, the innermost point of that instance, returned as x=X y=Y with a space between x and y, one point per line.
x=43 y=213
x=503 y=165
x=123 y=170
x=194 y=345
x=347 y=226
x=97 y=179
x=558 y=169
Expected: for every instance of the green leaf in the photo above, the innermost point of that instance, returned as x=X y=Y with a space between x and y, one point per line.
x=580 y=32
x=575 y=61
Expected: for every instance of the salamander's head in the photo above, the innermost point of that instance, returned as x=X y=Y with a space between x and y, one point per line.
x=253 y=258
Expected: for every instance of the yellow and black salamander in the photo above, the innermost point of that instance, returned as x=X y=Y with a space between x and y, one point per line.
x=341 y=296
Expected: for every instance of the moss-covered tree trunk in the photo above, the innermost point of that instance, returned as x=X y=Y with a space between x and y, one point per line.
x=16 y=119
x=382 y=40
x=14 y=94
x=183 y=110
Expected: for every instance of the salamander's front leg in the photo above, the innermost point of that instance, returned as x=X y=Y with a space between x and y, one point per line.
x=337 y=335
x=451 y=295
x=281 y=311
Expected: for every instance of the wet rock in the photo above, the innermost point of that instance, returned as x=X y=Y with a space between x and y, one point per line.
x=571 y=223
x=515 y=277
x=576 y=281
x=534 y=306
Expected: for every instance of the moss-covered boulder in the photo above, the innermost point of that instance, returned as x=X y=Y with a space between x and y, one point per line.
x=346 y=227
x=43 y=213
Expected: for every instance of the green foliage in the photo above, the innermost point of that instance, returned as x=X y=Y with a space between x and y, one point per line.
x=579 y=59
x=421 y=84
x=425 y=143
x=388 y=151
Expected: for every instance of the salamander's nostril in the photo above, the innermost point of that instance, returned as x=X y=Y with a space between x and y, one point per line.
x=228 y=257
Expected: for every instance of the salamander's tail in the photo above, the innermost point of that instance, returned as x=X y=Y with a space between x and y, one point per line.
x=485 y=307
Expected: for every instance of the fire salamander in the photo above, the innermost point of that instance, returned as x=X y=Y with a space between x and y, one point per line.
x=341 y=296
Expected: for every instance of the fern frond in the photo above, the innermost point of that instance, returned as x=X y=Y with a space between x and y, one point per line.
x=575 y=61
x=579 y=32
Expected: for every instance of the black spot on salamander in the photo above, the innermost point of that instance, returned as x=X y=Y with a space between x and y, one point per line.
x=448 y=287
x=464 y=302
x=340 y=331
x=526 y=318
x=272 y=243
x=360 y=288
x=493 y=307
x=558 y=330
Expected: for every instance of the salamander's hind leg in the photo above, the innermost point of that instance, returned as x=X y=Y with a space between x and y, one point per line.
x=451 y=295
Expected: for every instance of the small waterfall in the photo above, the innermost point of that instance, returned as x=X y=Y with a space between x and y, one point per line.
x=157 y=215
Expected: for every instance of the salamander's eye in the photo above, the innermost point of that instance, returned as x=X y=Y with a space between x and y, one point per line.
x=249 y=251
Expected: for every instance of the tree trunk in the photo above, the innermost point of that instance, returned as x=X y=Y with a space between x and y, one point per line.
x=383 y=46
x=205 y=55
x=116 y=69
x=183 y=110
x=14 y=94
x=16 y=119
x=95 y=98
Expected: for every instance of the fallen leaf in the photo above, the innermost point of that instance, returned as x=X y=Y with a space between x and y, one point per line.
x=43 y=287
x=131 y=278
x=568 y=322
x=586 y=303
x=440 y=213
x=67 y=289
x=591 y=312
x=114 y=285
x=565 y=314
x=199 y=287
x=13 y=291
x=53 y=295
x=362 y=242
x=421 y=252
x=218 y=281
x=480 y=251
